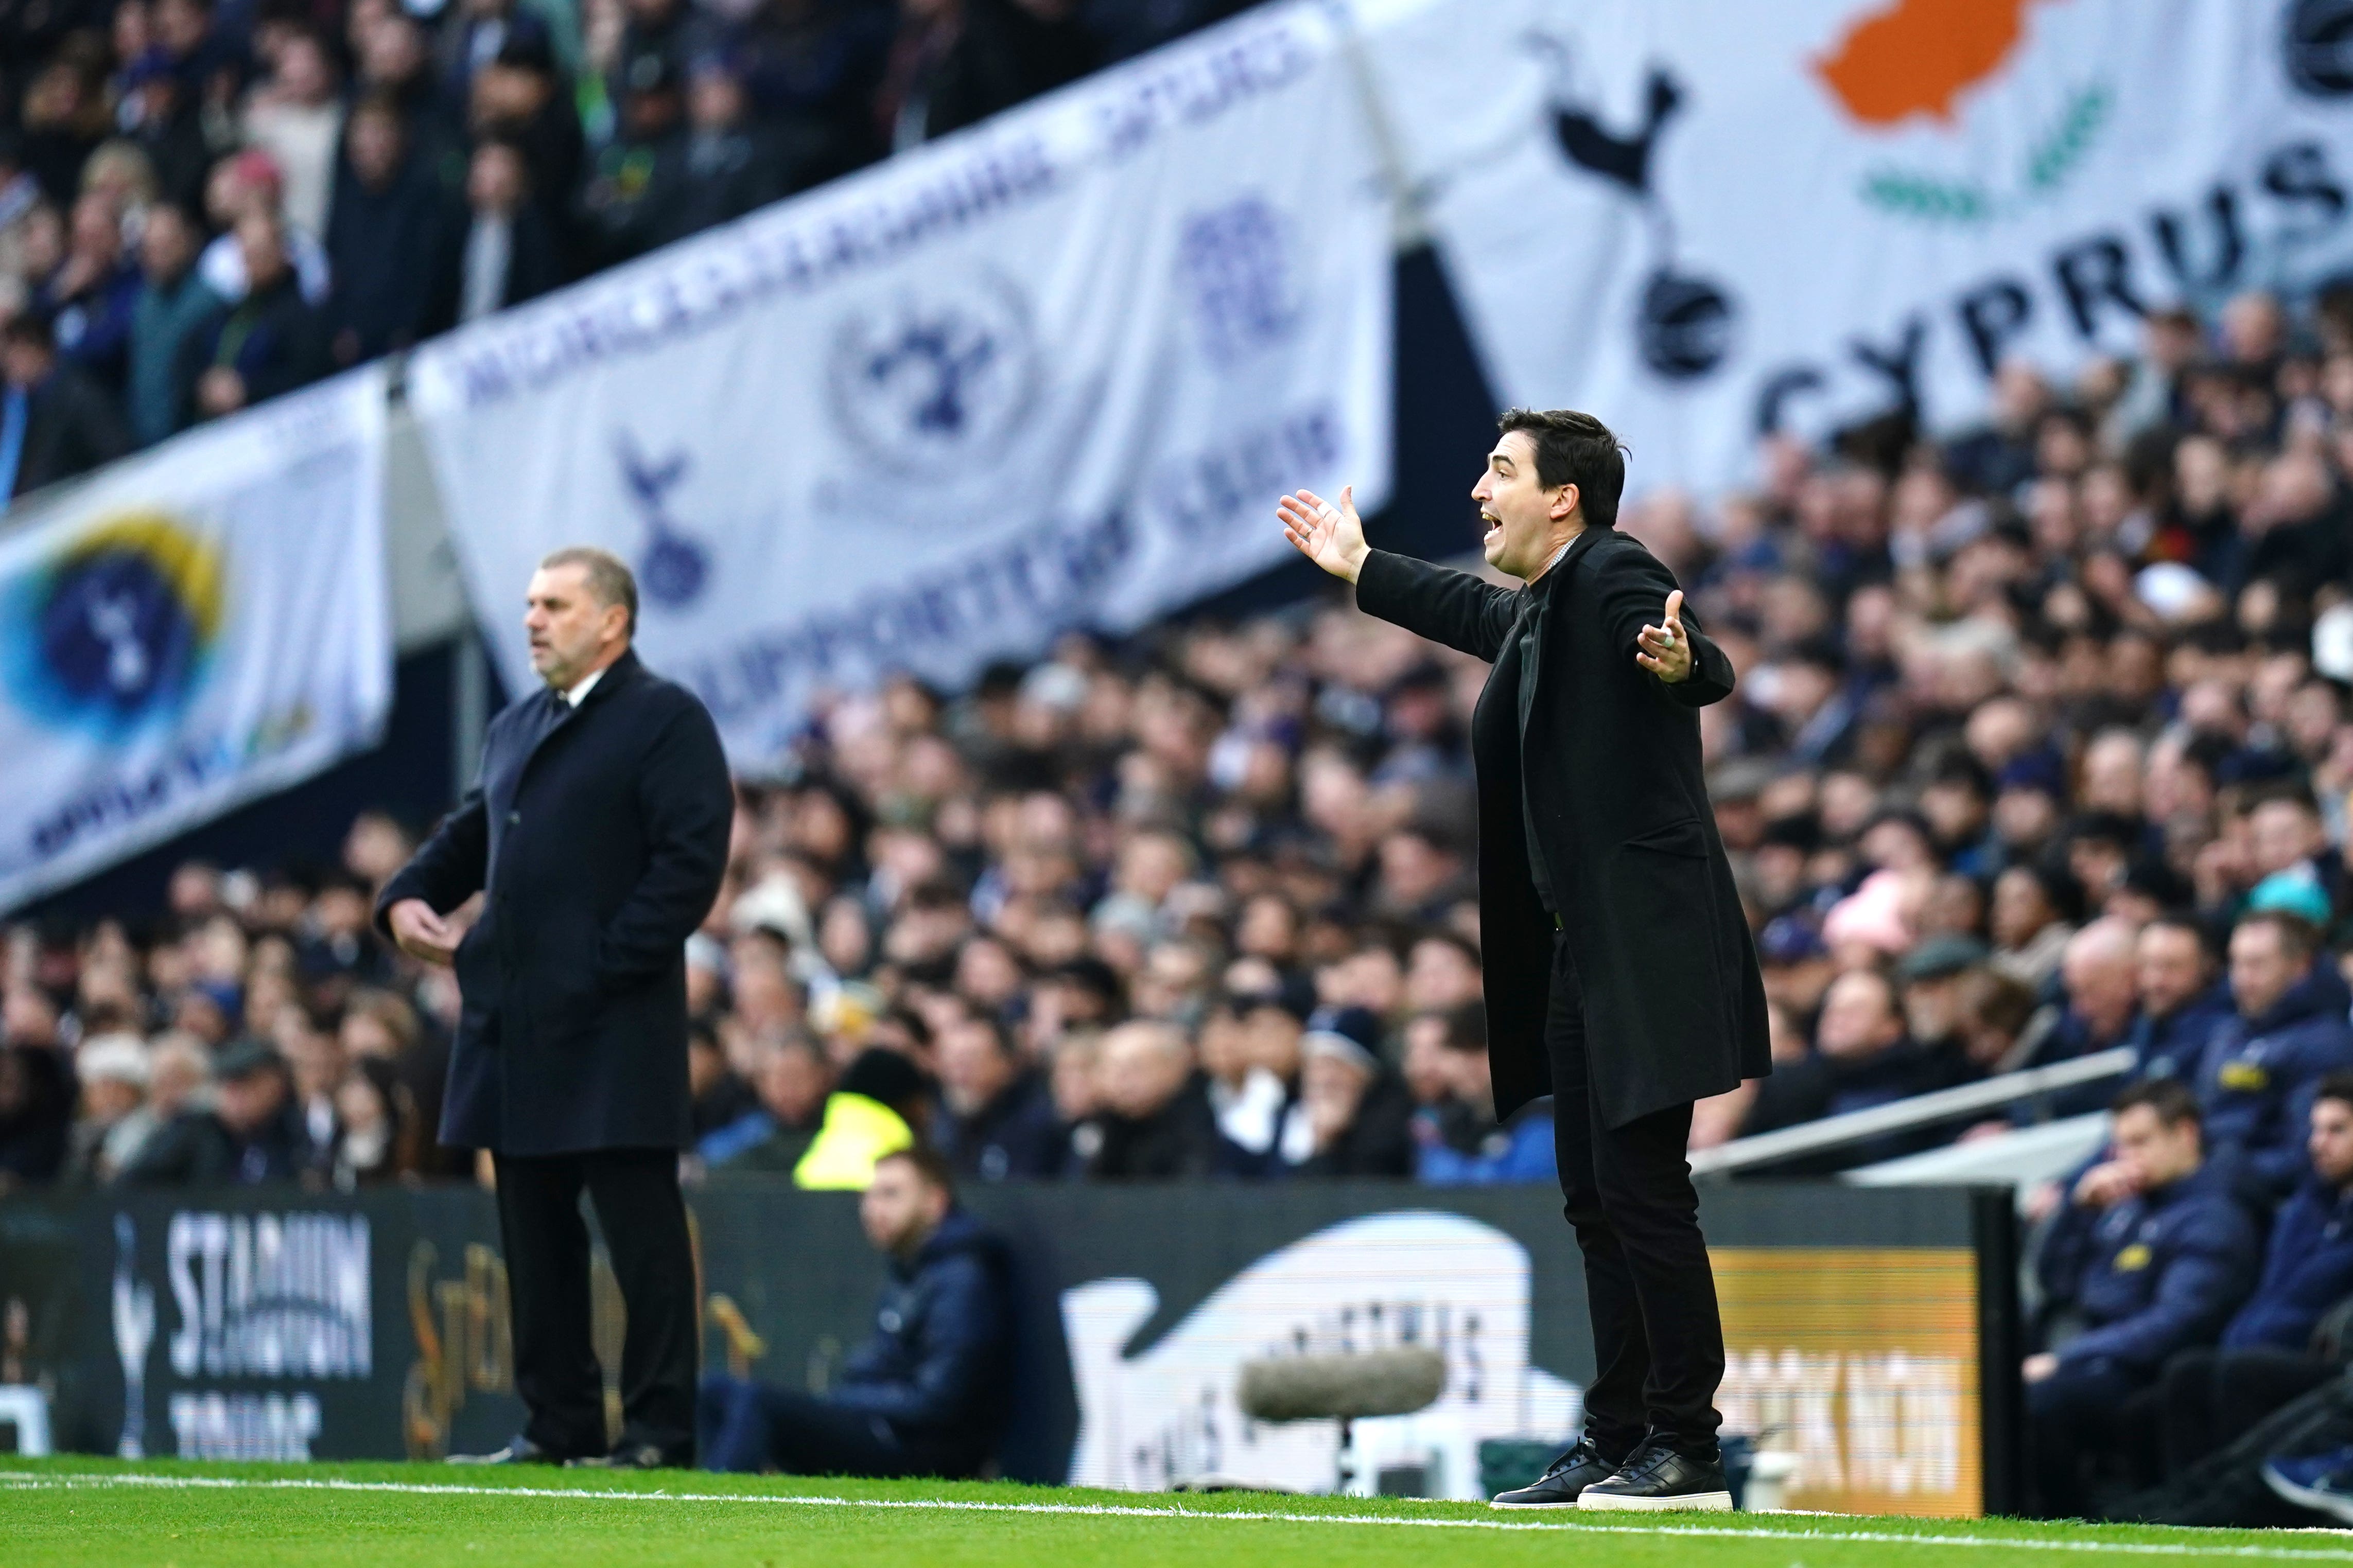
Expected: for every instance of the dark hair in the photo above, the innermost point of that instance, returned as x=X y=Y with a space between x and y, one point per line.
x=2298 y=935
x=2336 y=1086
x=929 y=1165
x=1574 y=448
x=2196 y=929
x=2170 y=1098
x=1466 y=1027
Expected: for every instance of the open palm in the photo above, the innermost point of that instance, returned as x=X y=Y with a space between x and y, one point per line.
x=1331 y=536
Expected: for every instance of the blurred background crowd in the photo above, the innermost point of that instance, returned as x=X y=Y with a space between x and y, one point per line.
x=206 y=203
x=2040 y=748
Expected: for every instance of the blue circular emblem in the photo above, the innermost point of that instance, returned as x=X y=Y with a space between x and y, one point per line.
x=114 y=629
x=938 y=382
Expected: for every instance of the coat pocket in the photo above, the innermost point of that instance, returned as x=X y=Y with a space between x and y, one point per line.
x=1684 y=837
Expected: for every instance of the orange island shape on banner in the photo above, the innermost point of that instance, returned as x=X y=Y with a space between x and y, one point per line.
x=1916 y=56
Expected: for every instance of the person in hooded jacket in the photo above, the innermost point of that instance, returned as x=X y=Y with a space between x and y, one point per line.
x=927 y=1393
x=2261 y=1070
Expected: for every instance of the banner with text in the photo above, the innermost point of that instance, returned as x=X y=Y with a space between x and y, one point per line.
x=1049 y=374
x=192 y=628
x=1704 y=223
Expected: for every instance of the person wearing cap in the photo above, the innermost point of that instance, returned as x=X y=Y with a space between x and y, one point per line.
x=1357 y=1114
x=1620 y=974
x=250 y=1134
x=597 y=837
x=112 y=1071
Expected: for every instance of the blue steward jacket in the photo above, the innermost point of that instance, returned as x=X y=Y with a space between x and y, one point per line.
x=2153 y=1274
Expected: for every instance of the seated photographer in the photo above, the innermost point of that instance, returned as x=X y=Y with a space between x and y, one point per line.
x=926 y=1394
x=2154 y=1269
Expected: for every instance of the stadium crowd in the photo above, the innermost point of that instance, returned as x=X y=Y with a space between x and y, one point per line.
x=2041 y=747
x=206 y=203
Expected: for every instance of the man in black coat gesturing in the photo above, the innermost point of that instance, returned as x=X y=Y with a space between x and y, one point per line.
x=1621 y=978
x=598 y=832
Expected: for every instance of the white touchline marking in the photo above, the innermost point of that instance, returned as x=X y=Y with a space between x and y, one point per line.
x=36 y=1480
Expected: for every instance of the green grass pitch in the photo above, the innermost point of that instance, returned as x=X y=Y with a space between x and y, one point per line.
x=95 y=1513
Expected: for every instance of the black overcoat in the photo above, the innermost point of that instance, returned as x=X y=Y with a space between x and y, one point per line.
x=1608 y=768
x=601 y=849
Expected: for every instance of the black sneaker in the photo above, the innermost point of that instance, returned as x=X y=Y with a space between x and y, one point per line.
x=1567 y=1476
x=1659 y=1479
x=633 y=1457
x=518 y=1451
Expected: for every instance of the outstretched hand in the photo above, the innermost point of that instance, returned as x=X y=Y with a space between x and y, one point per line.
x=1666 y=650
x=1331 y=536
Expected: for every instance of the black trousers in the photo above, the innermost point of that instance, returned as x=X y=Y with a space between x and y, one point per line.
x=751 y=1426
x=2079 y=1421
x=546 y=1240
x=2214 y=1397
x=1658 y=1339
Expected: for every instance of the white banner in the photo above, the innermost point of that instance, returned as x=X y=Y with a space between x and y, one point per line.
x=1048 y=373
x=1700 y=220
x=192 y=628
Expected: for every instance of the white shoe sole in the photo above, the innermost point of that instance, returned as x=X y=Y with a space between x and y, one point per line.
x=2334 y=1504
x=1499 y=1503
x=1688 y=1502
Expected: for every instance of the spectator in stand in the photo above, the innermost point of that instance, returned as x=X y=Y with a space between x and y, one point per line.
x=478 y=34
x=730 y=166
x=794 y=1082
x=636 y=185
x=295 y=114
x=92 y=296
x=253 y=1132
x=173 y=304
x=996 y=1117
x=2181 y=1006
x=504 y=253
x=520 y=98
x=1155 y=1121
x=387 y=211
x=55 y=422
x=928 y=1392
x=2266 y=1357
x=1457 y=1141
x=159 y=114
x=243 y=186
x=1862 y=1058
x=2127 y=1286
x=2265 y=1064
x=267 y=342
x=958 y=61
x=2098 y=975
x=1357 y=1112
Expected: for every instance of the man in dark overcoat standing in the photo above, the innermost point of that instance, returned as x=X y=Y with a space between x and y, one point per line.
x=598 y=835
x=1620 y=974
